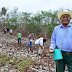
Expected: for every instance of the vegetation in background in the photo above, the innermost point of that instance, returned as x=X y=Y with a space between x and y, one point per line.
x=39 y=23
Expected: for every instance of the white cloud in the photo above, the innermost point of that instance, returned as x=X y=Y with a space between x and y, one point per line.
x=35 y=5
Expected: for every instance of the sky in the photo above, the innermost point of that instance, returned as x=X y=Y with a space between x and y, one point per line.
x=35 y=5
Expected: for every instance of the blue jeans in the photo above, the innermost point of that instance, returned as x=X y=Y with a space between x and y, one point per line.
x=19 y=40
x=29 y=43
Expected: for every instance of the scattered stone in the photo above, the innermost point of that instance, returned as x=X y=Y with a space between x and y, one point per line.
x=10 y=48
x=0 y=45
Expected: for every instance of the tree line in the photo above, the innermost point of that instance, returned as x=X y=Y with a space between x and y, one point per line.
x=40 y=23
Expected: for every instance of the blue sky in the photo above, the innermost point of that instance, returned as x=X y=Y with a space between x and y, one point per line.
x=35 y=5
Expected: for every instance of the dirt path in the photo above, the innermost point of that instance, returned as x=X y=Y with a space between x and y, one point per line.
x=10 y=47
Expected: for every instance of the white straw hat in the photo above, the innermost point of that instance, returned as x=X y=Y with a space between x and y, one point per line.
x=64 y=12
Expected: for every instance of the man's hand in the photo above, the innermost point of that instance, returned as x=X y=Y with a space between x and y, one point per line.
x=43 y=50
x=51 y=50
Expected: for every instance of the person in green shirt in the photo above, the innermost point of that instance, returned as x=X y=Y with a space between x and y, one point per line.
x=19 y=35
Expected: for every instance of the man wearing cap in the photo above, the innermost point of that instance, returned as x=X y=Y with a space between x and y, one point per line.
x=30 y=37
x=62 y=35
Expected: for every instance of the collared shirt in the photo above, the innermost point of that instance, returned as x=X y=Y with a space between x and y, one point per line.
x=31 y=36
x=61 y=34
x=39 y=41
x=19 y=35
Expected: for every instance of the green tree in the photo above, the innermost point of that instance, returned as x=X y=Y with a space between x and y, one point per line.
x=4 y=11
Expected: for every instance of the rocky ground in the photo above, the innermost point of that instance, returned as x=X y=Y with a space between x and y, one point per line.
x=9 y=47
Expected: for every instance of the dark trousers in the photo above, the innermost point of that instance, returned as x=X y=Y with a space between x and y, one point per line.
x=4 y=31
x=60 y=64
x=19 y=40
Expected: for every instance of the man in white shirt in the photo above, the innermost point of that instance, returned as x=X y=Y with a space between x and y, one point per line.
x=40 y=46
x=11 y=31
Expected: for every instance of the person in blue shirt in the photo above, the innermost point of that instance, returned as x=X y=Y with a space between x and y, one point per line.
x=30 y=38
x=62 y=35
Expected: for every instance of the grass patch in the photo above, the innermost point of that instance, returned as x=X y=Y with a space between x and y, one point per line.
x=19 y=63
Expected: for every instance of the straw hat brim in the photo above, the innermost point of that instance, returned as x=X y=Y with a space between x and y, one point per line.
x=62 y=13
